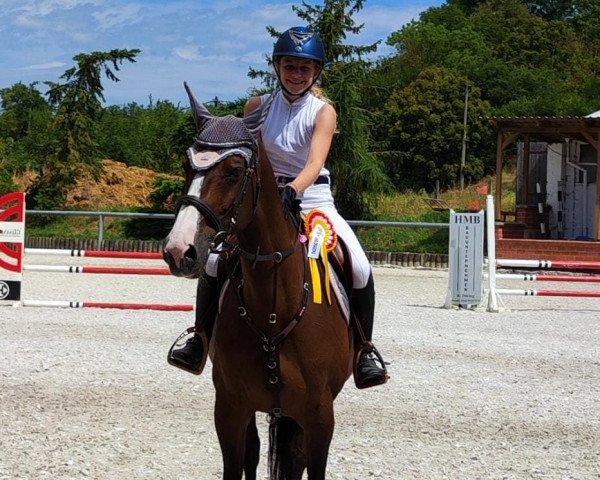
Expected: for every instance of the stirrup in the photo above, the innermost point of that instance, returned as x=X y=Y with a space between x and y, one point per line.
x=369 y=348
x=176 y=343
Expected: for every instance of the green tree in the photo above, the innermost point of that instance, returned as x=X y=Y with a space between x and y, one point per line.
x=425 y=129
x=586 y=23
x=25 y=127
x=334 y=21
x=356 y=170
x=77 y=102
x=552 y=9
x=143 y=136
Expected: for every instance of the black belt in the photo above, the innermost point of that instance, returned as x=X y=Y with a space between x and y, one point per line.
x=321 y=180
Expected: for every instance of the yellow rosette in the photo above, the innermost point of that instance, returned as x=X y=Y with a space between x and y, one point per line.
x=321 y=240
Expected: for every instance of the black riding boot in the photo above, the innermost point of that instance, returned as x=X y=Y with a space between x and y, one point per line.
x=369 y=367
x=192 y=356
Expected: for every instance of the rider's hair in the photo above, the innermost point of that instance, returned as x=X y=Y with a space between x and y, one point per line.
x=318 y=92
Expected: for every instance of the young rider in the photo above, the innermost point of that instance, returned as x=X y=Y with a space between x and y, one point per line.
x=297 y=134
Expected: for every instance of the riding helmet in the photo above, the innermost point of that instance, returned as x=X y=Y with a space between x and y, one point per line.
x=300 y=42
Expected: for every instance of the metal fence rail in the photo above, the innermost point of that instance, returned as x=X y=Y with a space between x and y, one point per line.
x=169 y=216
x=376 y=258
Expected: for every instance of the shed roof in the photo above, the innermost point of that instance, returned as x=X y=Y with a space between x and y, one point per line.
x=550 y=129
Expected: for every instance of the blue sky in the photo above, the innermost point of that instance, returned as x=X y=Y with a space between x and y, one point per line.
x=209 y=43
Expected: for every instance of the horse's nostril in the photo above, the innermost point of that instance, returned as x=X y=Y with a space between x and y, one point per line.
x=191 y=253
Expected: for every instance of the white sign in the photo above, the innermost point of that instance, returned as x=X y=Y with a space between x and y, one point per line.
x=12 y=232
x=465 y=258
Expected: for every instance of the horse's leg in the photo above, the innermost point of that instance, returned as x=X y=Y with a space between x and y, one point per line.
x=252 y=450
x=319 y=432
x=231 y=423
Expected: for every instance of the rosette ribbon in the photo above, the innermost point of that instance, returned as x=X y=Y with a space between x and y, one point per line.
x=322 y=239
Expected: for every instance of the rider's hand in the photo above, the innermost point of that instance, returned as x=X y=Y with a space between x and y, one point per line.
x=291 y=205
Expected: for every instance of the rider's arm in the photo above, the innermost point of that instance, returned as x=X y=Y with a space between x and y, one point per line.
x=320 y=144
x=252 y=104
x=323 y=131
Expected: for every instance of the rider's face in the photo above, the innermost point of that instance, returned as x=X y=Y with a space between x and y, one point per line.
x=297 y=74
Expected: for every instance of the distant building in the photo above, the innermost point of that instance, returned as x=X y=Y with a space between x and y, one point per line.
x=556 y=177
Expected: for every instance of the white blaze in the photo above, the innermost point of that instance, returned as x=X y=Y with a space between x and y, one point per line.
x=182 y=235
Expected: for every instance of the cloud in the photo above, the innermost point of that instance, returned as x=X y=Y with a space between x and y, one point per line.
x=190 y=52
x=44 y=66
x=36 y=8
x=210 y=42
x=117 y=16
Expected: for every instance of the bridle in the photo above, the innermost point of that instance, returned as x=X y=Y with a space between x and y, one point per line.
x=217 y=222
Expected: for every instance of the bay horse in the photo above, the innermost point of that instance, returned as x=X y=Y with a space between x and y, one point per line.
x=273 y=349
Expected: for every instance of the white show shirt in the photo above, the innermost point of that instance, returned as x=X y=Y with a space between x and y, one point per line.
x=287 y=148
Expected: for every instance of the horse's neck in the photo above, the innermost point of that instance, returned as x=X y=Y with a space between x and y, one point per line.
x=267 y=233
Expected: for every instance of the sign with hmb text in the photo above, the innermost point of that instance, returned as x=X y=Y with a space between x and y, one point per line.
x=465 y=258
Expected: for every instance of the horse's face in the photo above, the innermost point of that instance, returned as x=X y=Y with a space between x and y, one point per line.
x=219 y=174
x=187 y=246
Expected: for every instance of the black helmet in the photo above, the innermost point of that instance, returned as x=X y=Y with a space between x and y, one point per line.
x=300 y=42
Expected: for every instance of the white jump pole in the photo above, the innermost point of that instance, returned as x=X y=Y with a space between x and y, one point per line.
x=93 y=253
x=493 y=297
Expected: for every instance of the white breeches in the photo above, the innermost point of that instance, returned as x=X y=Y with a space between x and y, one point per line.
x=320 y=197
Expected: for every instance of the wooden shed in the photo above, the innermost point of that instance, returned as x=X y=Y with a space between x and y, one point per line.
x=557 y=212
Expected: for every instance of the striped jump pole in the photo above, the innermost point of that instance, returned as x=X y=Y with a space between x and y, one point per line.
x=120 y=306
x=98 y=269
x=547 y=293
x=92 y=253
x=548 y=264
x=495 y=294
x=530 y=277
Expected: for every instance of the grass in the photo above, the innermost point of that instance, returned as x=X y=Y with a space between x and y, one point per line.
x=406 y=207
x=422 y=208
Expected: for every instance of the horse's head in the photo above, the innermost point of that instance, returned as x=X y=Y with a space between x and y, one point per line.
x=220 y=171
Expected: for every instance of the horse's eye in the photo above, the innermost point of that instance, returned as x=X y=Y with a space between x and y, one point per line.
x=234 y=174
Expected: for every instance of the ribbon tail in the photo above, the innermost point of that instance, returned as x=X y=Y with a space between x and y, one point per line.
x=316 y=280
x=325 y=258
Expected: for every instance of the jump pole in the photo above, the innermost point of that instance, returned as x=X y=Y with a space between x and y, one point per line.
x=92 y=253
x=548 y=293
x=531 y=277
x=98 y=269
x=120 y=306
x=494 y=293
x=548 y=264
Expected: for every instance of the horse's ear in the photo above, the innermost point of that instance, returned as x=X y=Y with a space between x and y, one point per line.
x=199 y=111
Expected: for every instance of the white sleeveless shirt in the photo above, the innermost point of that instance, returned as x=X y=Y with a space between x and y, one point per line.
x=287 y=133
